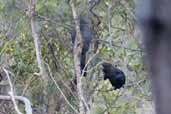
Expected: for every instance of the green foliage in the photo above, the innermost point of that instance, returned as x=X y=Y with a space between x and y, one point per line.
x=120 y=46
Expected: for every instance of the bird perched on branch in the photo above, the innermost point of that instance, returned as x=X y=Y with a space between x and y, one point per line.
x=114 y=75
x=87 y=35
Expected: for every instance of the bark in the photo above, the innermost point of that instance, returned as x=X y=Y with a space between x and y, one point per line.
x=37 y=43
x=77 y=54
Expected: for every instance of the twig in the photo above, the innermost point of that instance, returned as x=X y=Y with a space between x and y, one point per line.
x=118 y=46
x=89 y=60
x=11 y=92
x=27 y=103
x=63 y=94
x=56 y=84
x=27 y=85
x=110 y=7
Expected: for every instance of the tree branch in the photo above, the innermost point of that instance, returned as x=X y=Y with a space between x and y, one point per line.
x=11 y=92
x=27 y=103
x=37 y=44
x=77 y=53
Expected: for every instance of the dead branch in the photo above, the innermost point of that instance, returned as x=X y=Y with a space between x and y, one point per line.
x=39 y=57
x=77 y=53
x=27 y=103
x=11 y=92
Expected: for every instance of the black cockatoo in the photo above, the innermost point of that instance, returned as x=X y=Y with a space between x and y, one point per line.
x=87 y=35
x=114 y=75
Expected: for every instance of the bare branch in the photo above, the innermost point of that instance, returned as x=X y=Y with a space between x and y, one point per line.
x=27 y=103
x=37 y=44
x=77 y=53
x=11 y=92
x=56 y=84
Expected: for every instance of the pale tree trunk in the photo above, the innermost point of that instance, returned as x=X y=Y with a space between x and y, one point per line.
x=37 y=43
